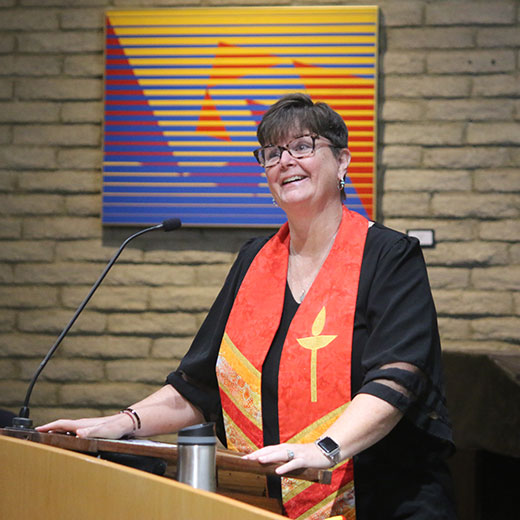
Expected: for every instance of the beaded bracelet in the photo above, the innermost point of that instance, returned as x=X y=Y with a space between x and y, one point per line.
x=136 y=420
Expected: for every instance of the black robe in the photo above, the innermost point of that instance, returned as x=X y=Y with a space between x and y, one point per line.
x=404 y=475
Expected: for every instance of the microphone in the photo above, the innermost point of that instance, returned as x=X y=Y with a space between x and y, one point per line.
x=22 y=421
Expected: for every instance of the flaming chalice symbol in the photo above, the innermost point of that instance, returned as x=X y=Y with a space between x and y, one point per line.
x=314 y=343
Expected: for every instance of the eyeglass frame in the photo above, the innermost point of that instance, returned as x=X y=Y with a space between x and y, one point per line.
x=314 y=137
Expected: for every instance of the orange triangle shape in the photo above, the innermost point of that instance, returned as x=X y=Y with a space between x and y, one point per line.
x=214 y=126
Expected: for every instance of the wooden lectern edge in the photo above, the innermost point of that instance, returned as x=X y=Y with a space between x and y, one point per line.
x=10 y=444
x=232 y=460
x=226 y=459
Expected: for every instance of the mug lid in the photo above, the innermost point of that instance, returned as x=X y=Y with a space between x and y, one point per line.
x=198 y=434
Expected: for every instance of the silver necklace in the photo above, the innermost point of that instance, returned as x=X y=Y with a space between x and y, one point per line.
x=308 y=280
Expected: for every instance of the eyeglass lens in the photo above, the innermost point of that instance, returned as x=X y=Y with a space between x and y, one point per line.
x=299 y=147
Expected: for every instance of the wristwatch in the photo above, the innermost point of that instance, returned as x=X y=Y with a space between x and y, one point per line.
x=330 y=448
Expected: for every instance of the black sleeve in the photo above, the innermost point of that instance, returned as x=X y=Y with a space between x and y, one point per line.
x=195 y=379
x=401 y=324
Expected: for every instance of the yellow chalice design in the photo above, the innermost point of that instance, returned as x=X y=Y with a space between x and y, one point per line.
x=314 y=343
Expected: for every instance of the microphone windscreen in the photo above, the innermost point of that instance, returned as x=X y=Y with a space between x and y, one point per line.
x=171 y=224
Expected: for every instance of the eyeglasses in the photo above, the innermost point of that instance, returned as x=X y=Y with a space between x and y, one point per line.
x=299 y=147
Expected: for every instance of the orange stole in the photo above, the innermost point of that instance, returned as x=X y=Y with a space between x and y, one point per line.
x=314 y=375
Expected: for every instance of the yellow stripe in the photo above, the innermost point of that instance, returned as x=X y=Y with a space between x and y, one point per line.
x=213 y=132
x=283 y=15
x=241 y=361
x=359 y=110
x=292 y=487
x=201 y=123
x=327 y=501
x=246 y=444
x=257 y=49
x=199 y=195
x=241 y=381
x=235 y=31
x=221 y=15
x=204 y=83
x=201 y=92
x=316 y=92
x=242 y=102
x=240 y=40
x=246 y=60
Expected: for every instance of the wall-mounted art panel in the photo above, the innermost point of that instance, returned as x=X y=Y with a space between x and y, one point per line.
x=186 y=88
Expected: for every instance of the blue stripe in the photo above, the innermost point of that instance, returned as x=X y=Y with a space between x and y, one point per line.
x=266 y=209
x=199 y=97
x=245 y=108
x=174 y=138
x=116 y=77
x=226 y=25
x=186 y=180
x=239 y=35
x=214 y=201
x=168 y=158
x=184 y=128
x=147 y=148
x=280 y=66
x=168 y=46
x=185 y=118
x=214 y=56
x=202 y=220
x=247 y=45
x=171 y=189
x=249 y=168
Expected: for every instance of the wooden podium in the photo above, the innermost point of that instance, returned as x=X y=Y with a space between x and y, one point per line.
x=40 y=481
x=59 y=476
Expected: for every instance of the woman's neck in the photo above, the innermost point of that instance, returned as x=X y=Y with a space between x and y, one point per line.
x=310 y=234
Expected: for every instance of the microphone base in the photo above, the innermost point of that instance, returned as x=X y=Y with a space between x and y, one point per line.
x=22 y=423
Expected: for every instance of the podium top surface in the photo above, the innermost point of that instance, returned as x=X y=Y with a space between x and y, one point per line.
x=38 y=479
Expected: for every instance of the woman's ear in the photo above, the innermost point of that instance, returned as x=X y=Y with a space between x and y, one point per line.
x=343 y=163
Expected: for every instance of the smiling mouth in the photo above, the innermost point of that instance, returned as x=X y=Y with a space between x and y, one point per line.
x=294 y=178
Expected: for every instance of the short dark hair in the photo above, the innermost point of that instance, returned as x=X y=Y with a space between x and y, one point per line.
x=295 y=112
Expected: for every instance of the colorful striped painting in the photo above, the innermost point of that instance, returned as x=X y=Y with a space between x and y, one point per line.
x=186 y=88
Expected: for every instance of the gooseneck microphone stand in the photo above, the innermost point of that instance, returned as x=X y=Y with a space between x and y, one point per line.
x=23 y=421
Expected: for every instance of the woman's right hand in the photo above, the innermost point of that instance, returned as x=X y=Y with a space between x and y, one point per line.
x=109 y=427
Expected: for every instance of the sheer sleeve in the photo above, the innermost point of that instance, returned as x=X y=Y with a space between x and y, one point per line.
x=401 y=359
x=195 y=377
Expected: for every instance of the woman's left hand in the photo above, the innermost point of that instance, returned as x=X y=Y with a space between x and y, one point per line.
x=295 y=456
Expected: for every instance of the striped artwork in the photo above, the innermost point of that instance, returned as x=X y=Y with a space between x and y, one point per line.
x=186 y=88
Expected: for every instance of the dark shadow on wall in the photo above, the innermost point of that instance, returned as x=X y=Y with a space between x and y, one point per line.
x=483 y=392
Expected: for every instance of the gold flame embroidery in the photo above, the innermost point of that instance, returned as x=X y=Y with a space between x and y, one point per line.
x=314 y=343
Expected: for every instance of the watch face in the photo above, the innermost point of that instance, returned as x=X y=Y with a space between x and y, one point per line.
x=328 y=444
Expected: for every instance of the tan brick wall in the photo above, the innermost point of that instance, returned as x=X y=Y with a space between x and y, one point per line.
x=449 y=130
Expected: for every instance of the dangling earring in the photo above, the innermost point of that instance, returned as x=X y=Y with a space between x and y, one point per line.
x=341 y=184
x=274 y=203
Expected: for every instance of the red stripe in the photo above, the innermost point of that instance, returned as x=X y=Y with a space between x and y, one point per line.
x=134 y=133
x=254 y=434
x=121 y=82
x=363 y=138
x=127 y=102
x=115 y=52
x=360 y=149
x=310 y=496
x=360 y=169
x=129 y=112
x=131 y=123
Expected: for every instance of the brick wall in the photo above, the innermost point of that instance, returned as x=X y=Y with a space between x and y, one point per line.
x=448 y=160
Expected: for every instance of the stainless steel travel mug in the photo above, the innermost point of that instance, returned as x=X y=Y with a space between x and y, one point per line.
x=196 y=464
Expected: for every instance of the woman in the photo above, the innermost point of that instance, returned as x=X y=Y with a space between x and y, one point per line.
x=322 y=348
